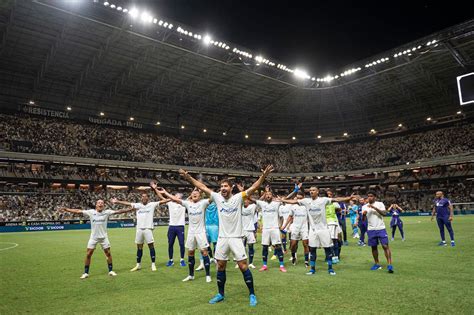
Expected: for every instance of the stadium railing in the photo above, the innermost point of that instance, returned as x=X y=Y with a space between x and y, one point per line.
x=7 y=156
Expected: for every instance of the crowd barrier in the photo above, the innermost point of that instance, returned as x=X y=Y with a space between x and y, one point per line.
x=37 y=226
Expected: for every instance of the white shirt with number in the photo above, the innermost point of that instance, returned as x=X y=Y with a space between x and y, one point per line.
x=196 y=215
x=317 y=211
x=270 y=214
x=177 y=213
x=145 y=214
x=374 y=219
x=230 y=214
x=98 y=222
x=248 y=217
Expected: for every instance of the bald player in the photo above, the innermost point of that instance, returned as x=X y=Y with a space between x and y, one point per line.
x=98 y=218
x=443 y=209
x=145 y=226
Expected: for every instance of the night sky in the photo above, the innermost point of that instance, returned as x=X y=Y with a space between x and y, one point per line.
x=320 y=36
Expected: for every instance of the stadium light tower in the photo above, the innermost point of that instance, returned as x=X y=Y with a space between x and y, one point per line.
x=133 y=12
x=146 y=17
x=301 y=74
x=207 y=39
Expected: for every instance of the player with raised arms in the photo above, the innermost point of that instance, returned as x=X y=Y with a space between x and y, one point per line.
x=145 y=227
x=298 y=221
x=197 y=238
x=98 y=218
x=230 y=230
x=319 y=234
x=177 y=214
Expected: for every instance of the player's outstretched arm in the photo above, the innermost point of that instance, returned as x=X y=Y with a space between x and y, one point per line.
x=76 y=211
x=345 y=199
x=154 y=186
x=169 y=196
x=124 y=203
x=129 y=209
x=289 y=201
x=260 y=180
x=199 y=185
x=295 y=191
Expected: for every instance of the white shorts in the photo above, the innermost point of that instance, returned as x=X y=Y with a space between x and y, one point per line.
x=230 y=244
x=299 y=234
x=250 y=237
x=104 y=242
x=334 y=230
x=197 y=241
x=271 y=236
x=144 y=236
x=320 y=238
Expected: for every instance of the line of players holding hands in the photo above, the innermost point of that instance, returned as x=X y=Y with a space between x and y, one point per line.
x=314 y=220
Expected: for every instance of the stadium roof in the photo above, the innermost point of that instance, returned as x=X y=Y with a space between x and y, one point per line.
x=93 y=58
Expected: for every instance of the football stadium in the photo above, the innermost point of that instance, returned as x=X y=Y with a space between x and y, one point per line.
x=151 y=166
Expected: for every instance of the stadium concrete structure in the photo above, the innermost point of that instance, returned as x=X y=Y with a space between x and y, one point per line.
x=106 y=57
x=103 y=63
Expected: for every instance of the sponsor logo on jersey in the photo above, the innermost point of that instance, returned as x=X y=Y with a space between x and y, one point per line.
x=228 y=210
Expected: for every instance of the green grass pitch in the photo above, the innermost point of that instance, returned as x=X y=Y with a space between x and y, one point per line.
x=41 y=275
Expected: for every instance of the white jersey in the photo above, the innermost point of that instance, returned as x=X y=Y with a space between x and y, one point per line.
x=374 y=219
x=98 y=222
x=270 y=214
x=248 y=216
x=145 y=214
x=317 y=211
x=284 y=212
x=196 y=214
x=230 y=214
x=177 y=213
x=300 y=217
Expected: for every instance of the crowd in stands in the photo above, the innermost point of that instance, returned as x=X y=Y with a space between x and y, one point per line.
x=61 y=137
x=43 y=206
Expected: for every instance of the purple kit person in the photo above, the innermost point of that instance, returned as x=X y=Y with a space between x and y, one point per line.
x=444 y=216
x=395 y=222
